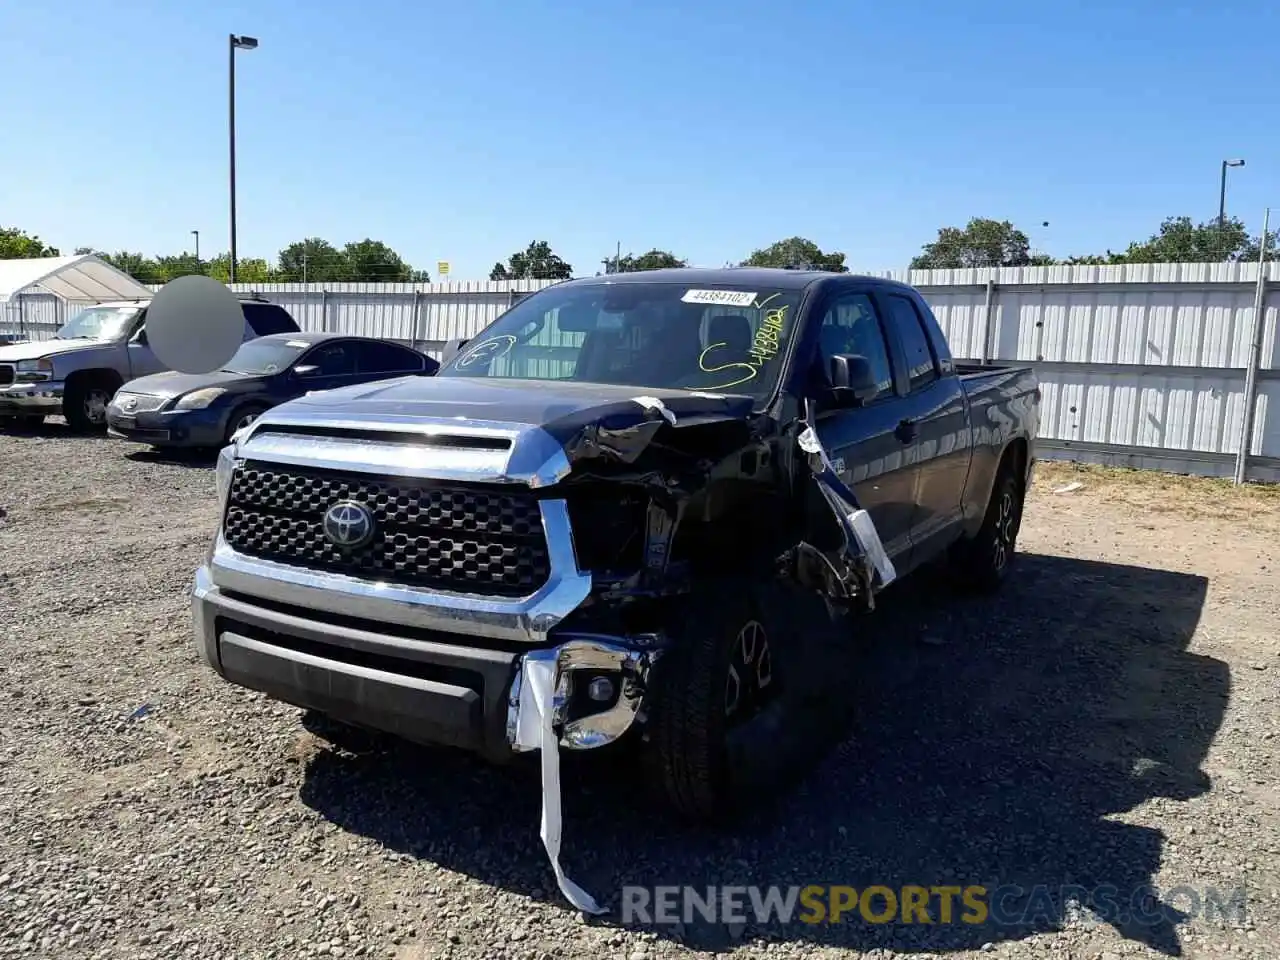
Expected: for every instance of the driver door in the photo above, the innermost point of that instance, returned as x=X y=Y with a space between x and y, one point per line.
x=862 y=445
x=142 y=361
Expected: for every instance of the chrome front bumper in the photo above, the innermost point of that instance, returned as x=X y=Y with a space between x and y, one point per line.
x=42 y=397
x=432 y=692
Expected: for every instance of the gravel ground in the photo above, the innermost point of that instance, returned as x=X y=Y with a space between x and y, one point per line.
x=1110 y=718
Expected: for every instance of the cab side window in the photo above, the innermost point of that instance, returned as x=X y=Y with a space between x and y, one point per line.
x=921 y=365
x=851 y=326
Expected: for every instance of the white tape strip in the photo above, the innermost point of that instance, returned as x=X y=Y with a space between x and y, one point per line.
x=869 y=540
x=653 y=403
x=860 y=522
x=534 y=730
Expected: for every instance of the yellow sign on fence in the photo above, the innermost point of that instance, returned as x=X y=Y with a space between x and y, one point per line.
x=442 y=267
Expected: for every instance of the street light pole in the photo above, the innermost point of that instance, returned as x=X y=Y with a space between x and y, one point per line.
x=1222 y=192
x=234 y=43
x=196 y=234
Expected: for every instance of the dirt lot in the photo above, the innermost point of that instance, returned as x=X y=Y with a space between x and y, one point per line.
x=1109 y=719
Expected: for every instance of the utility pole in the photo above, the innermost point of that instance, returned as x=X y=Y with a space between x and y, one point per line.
x=234 y=43
x=1222 y=201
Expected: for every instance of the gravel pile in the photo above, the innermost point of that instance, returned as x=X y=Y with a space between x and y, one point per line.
x=1109 y=719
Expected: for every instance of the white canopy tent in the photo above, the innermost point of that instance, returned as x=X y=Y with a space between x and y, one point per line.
x=83 y=278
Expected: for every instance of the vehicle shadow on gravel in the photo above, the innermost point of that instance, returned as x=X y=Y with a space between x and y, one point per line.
x=57 y=429
x=54 y=428
x=994 y=738
x=179 y=457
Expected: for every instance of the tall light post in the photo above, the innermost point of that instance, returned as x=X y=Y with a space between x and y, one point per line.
x=234 y=43
x=196 y=234
x=1222 y=191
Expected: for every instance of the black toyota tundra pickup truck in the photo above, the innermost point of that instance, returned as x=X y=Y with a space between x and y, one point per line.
x=656 y=487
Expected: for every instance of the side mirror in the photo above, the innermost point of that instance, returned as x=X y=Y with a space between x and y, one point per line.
x=140 y=337
x=451 y=350
x=306 y=370
x=853 y=382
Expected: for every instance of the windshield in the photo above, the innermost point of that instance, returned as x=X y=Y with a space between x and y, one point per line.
x=263 y=356
x=98 y=323
x=666 y=335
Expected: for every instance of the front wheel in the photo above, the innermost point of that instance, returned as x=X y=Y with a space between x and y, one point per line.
x=984 y=561
x=84 y=404
x=716 y=705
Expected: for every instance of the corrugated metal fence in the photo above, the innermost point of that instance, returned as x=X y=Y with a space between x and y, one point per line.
x=1141 y=364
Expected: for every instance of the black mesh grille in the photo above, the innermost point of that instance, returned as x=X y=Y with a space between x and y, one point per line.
x=446 y=537
x=6 y=374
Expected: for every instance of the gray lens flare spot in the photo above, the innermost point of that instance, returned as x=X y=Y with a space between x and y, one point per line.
x=194 y=324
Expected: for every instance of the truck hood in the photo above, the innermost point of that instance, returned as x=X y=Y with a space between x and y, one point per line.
x=563 y=409
x=35 y=349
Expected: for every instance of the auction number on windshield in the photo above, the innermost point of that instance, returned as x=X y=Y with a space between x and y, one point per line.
x=764 y=347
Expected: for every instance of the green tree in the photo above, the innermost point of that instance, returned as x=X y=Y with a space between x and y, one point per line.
x=536 y=261
x=982 y=243
x=16 y=244
x=1180 y=240
x=312 y=260
x=142 y=268
x=796 y=253
x=249 y=270
x=180 y=265
x=653 y=260
x=374 y=261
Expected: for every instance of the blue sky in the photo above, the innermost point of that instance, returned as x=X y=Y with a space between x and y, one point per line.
x=461 y=131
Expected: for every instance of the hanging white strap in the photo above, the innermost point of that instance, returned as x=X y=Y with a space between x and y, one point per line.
x=534 y=729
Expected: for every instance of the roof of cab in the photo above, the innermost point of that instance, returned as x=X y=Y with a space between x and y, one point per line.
x=774 y=278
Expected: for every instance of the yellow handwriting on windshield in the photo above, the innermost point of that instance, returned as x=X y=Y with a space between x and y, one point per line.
x=764 y=347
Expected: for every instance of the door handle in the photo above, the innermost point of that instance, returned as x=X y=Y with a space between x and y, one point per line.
x=906 y=431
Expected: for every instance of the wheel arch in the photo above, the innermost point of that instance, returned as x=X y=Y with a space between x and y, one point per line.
x=103 y=375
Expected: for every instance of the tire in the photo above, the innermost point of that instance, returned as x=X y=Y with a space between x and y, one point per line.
x=983 y=562
x=242 y=416
x=720 y=676
x=84 y=404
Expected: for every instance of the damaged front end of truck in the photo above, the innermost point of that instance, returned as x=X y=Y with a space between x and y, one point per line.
x=663 y=496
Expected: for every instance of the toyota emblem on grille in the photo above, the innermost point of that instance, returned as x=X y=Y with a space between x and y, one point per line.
x=348 y=524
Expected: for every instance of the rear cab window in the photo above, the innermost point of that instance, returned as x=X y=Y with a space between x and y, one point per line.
x=262 y=319
x=918 y=355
